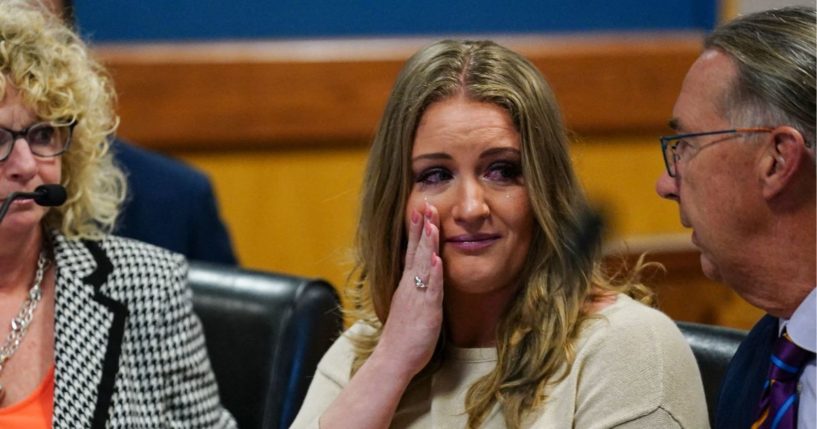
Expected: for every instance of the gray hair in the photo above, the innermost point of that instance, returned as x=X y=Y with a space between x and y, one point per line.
x=774 y=52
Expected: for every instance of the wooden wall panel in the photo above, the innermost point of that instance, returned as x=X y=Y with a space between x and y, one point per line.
x=318 y=92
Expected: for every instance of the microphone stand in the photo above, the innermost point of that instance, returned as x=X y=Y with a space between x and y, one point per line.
x=44 y=195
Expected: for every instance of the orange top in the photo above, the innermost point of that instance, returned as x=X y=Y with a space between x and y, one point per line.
x=33 y=412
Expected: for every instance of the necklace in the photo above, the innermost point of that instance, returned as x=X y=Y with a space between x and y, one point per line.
x=19 y=324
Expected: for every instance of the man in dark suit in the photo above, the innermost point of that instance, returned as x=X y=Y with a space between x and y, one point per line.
x=742 y=170
x=171 y=205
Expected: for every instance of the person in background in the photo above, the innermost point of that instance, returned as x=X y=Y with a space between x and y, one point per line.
x=95 y=330
x=169 y=203
x=742 y=170
x=481 y=301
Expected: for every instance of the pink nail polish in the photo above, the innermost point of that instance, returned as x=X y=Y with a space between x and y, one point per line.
x=428 y=228
x=415 y=216
x=433 y=259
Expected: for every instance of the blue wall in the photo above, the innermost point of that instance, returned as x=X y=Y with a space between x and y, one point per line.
x=176 y=20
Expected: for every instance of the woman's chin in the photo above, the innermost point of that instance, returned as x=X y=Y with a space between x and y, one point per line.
x=20 y=221
x=475 y=282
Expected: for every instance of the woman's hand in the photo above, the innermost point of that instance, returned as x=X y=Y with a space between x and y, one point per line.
x=413 y=325
x=408 y=339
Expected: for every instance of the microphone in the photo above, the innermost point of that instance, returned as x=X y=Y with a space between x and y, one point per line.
x=50 y=195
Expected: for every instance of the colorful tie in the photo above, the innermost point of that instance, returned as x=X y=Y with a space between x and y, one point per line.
x=778 y=405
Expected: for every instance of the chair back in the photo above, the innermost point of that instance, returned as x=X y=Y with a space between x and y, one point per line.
x=265 y=334
x=713 y=347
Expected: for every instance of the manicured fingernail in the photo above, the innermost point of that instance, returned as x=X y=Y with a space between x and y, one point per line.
x=415 y=216
x=428 y=228
x=433 y=259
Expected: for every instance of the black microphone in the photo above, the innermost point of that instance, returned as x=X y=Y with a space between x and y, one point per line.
x=45 y=195
x=50 y=195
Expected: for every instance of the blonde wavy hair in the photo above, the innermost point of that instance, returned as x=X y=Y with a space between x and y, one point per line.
x=536 y=335
x=52 y=69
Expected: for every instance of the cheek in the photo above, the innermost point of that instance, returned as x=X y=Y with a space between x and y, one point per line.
x=440 y=199
x=521 y=220
x=518 y=208
x=416 y=202
x=51 y=170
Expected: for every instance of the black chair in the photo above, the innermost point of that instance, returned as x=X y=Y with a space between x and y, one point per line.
x=265 y=334
x=713 y=347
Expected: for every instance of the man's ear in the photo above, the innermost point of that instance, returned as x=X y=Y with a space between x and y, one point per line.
x=782 y=159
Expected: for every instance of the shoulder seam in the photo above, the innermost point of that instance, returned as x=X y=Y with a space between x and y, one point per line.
x=653 y=411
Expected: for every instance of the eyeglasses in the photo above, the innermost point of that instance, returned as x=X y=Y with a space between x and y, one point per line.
x=675 y=147
x=45 y=139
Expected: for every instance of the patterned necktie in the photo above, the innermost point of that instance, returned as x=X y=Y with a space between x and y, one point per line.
x=777 y=408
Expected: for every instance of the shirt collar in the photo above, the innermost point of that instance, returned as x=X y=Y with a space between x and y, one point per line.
x=802 y=327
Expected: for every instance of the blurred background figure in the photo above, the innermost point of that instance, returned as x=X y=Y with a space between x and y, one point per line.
x=171 y=205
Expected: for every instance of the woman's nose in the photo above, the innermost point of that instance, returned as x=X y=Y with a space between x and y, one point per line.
x=20 y=164
x=471 y=204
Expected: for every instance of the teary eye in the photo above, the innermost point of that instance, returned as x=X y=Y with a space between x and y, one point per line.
x=432 y=176
x=503 y=171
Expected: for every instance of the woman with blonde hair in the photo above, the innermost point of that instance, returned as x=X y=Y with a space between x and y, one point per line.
x=481 y=301
x=95 y=330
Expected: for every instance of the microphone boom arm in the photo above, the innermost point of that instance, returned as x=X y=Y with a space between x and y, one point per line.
x=44 y=195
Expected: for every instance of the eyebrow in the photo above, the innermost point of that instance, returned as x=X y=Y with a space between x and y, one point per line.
x=674 y=123
x=432 y=156
x=499 y=150
x=488 y=153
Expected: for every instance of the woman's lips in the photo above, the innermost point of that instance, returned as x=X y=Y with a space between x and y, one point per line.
x=17 y=205
x=20 y=203
x=472 y=242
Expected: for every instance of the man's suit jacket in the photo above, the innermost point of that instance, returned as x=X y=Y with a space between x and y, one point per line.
x=129 y=352
x=742 y=385
x=171 y=205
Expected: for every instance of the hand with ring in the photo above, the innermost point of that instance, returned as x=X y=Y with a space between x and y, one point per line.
x=413 y=325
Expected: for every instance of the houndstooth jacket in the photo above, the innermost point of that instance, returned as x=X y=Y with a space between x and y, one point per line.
x=129 y=352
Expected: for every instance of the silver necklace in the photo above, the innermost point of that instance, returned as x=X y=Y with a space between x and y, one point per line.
x=19 y=324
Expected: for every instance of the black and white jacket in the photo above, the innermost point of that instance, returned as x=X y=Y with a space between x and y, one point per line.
x=129 y=352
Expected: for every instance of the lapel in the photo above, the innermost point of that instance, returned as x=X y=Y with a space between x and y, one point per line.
x=89 y=328
x=742 y=385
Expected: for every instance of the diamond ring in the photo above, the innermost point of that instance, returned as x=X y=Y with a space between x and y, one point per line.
x=419 y=283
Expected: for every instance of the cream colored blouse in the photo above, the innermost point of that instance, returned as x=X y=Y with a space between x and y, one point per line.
x=633 y=369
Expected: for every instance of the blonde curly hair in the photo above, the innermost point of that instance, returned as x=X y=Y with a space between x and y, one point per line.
x=55 y=75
